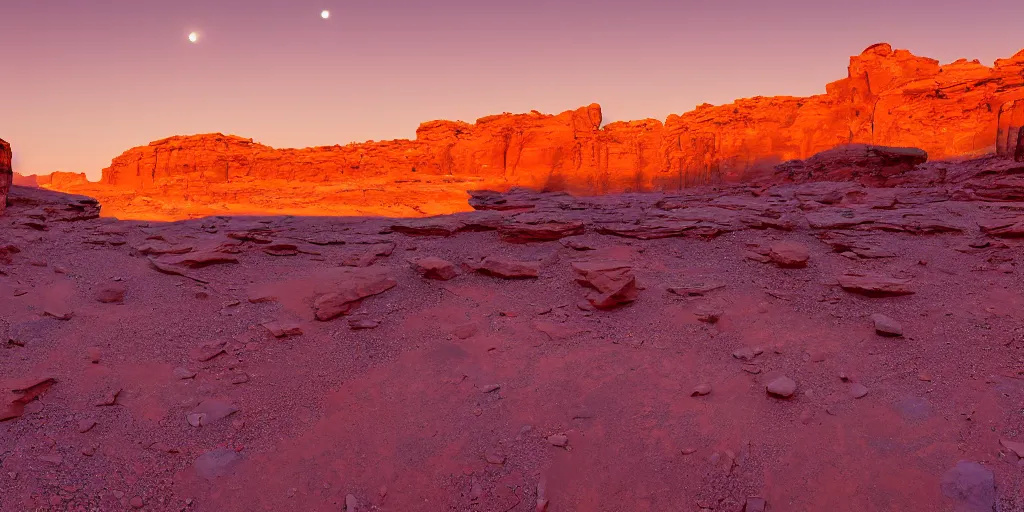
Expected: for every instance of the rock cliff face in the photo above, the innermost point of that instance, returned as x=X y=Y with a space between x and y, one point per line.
x=6 y=174
x=889 y=98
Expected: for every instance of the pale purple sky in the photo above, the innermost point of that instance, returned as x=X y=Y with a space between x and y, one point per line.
x=84 y=81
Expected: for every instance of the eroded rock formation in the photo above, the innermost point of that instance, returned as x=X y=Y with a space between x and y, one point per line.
x=890 y=98
x=6 y=174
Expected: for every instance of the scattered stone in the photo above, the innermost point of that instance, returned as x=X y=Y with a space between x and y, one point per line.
x=351 y=503
x=858 y=390
x=747 y=353
x=239 y=378
x=1006 y=268
x=490 y=388
x=708 y=315
x=333 y=305
x=971 y=486
x=789 y=254
x=20 y=395
x=110 y=294
x=576 y=244
x=432 y=267
x=494 y=458
x=86 y=425
x=1016 y=447
x=924 y=377
x=283 y=329
x=781 y=387
x=93 y=354
x=197 y=258
x=109 y=399
x=874 y=285
x=701 y=390
x=695 y=289
x=60 y=312
x=209 y=350
x=688 y=451
x=760 y=258
x=210 y=411
x=508 y=269
x=559 y=440
x=613 y=282
x=136 y=502
x=886 y=326
x=362 y=322
x=553 y=229
x=752 y=369
x=183 y=373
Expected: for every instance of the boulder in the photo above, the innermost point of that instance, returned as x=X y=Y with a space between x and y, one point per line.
x=875 y=285
x=613 y=282
x=347 y=297
x=789 y=254
x=432 y=267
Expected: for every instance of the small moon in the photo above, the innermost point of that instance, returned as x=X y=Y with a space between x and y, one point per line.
x=193 y=37
x=325 y=14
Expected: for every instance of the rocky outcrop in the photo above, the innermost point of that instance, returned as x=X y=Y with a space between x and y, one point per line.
x=6 y=174
x=889 y=98
x=867 y=164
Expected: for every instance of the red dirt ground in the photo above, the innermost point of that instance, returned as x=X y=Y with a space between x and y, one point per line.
x=404 y=417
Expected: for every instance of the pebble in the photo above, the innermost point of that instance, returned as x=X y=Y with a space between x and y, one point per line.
x=94 y=355
x=360 y=323
x=858 y=390
x=136 y=502
x=782 y=387
x=886 y=326
x=490 y=388
x=89 y=451
x=701 y=389
x=925 y=377
x=494 y=458
x=806 y=416
x=747 y=353
x=752 y=369
x=184 y=374
x=351 y=503
x=86 y=425
x=689 y=451
x=708 y=315
x=559 y=440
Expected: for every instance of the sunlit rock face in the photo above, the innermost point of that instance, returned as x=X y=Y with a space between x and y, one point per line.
x=889 y=98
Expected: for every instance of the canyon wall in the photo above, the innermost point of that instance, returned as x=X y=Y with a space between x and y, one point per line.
x=890 y=97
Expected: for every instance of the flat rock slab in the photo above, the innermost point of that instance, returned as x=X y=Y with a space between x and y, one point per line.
x=508 y=269
x=349 y=293
x=789 y=254
x=886 y=326
x=875 y=285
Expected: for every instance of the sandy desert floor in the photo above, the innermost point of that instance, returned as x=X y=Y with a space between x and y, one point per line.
x=182 y=366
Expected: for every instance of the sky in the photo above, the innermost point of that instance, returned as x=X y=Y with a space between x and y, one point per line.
x=83 y=81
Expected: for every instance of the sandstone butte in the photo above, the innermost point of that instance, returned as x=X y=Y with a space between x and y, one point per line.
x=889 y=98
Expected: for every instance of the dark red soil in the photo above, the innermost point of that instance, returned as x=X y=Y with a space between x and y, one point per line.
x=405 y=416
